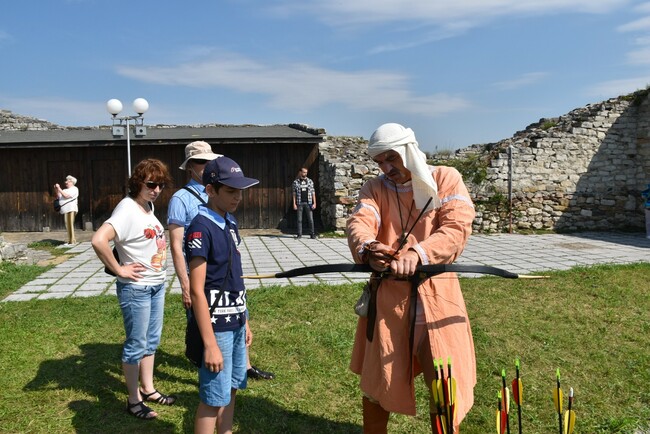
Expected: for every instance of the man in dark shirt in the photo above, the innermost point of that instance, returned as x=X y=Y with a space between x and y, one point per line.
x=304 y=199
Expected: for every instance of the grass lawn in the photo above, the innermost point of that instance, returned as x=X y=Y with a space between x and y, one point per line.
x=60 y=359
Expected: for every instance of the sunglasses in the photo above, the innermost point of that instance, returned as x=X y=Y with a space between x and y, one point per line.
x=152 y=185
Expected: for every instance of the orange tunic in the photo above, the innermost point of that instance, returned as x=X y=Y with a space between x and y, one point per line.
x=439 y=238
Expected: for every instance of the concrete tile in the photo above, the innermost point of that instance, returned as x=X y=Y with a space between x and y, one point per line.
x=19 y=297
x=50 y=295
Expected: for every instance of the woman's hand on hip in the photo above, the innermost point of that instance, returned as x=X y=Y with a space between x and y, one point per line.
x=131 y=271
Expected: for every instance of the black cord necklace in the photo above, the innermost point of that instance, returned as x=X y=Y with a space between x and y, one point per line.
x=403 y=225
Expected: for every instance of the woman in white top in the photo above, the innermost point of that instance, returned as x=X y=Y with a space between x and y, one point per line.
x=69 y=200
x=139 y=239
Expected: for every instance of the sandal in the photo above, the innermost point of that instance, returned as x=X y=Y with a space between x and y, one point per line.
x=142 y=413
x=162 y=398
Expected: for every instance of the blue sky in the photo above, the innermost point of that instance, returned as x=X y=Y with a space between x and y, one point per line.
x=458 y=72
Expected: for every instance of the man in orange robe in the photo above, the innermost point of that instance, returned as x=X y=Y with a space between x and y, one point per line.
x=388 y=207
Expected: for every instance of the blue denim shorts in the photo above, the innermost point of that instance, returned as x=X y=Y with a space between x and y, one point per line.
x=142 y=312
x=215 y=387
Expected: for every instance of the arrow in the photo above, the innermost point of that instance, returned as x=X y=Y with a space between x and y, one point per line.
x=444 y=385
x=438 y=399
x=451 y=384
x=405 y=238
x=557 y=400
x=506 y=399
x=423 y=271
x=517 y=393
x=569 y=415
x=501 y=416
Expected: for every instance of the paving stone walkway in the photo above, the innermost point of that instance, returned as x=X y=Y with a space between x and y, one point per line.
x=83 y=275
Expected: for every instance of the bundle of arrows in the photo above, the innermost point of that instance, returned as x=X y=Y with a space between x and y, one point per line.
x=566 y=422
x=444 y=397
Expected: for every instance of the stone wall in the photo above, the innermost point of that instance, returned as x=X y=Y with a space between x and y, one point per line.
x=13 y=122
x=344 y=166
x=582 y=171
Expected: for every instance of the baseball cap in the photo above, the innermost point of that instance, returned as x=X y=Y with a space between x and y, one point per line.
x=227 y=172
x=198 y=150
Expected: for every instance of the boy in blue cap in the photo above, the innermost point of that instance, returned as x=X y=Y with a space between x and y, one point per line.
x=218 y=294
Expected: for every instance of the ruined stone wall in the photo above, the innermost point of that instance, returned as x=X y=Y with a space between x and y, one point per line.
x=582 y=171
x=13 y=122
x=344 y=167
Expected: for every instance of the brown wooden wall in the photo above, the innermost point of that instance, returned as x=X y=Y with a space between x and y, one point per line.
x=28 y=175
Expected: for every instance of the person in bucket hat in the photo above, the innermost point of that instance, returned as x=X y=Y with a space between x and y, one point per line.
x=183 y=207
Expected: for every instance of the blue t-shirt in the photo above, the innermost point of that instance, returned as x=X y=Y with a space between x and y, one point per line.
x=183 y=206
x=214 y=238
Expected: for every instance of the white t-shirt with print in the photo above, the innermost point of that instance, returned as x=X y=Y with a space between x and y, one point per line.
x=140 y=238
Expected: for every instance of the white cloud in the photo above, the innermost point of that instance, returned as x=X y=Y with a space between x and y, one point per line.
x=643 y=40
x=4 y=36
x=524 y=80
x=301 y=86
x=639 y=57
x=436 y=12
x=615 y=88
x=432 y=36
x=635 y=26
x=643 y=8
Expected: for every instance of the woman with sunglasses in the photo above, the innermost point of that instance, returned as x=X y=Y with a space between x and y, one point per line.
x=139 y=239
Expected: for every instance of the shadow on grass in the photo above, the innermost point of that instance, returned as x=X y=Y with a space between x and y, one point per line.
x=97 y=375
x=256 y=415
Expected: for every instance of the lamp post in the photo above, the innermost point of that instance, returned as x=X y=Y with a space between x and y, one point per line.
x=120 y=123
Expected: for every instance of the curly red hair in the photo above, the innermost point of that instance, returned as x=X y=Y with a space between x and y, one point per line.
x=149 y=169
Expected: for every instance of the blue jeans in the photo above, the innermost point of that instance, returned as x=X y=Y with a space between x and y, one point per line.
x=215 y=387
x=302 y=207
x=142 y=312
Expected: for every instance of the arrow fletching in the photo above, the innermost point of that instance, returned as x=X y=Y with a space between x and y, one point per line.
x=517 y=391
x=569 y=415
x=557 y=400
x=557 y=394
x=569 y=421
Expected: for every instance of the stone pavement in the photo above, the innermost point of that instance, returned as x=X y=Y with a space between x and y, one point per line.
x=83 y=275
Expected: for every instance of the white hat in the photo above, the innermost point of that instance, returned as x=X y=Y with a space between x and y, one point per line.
x=395 y=137
x=198 y=150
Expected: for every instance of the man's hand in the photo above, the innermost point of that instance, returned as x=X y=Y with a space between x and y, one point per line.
x=185 y=291
x=213 y=358
x=405 y=264
x=379 y=255
x=249 y=335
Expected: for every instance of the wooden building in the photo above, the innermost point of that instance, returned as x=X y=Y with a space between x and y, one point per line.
x=33 y=161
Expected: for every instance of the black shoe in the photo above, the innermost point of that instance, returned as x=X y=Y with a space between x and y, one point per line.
x=313 y=236
x=255 y=373
x=298 y=237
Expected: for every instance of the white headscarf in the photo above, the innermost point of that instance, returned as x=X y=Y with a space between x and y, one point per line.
x=395 y=137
